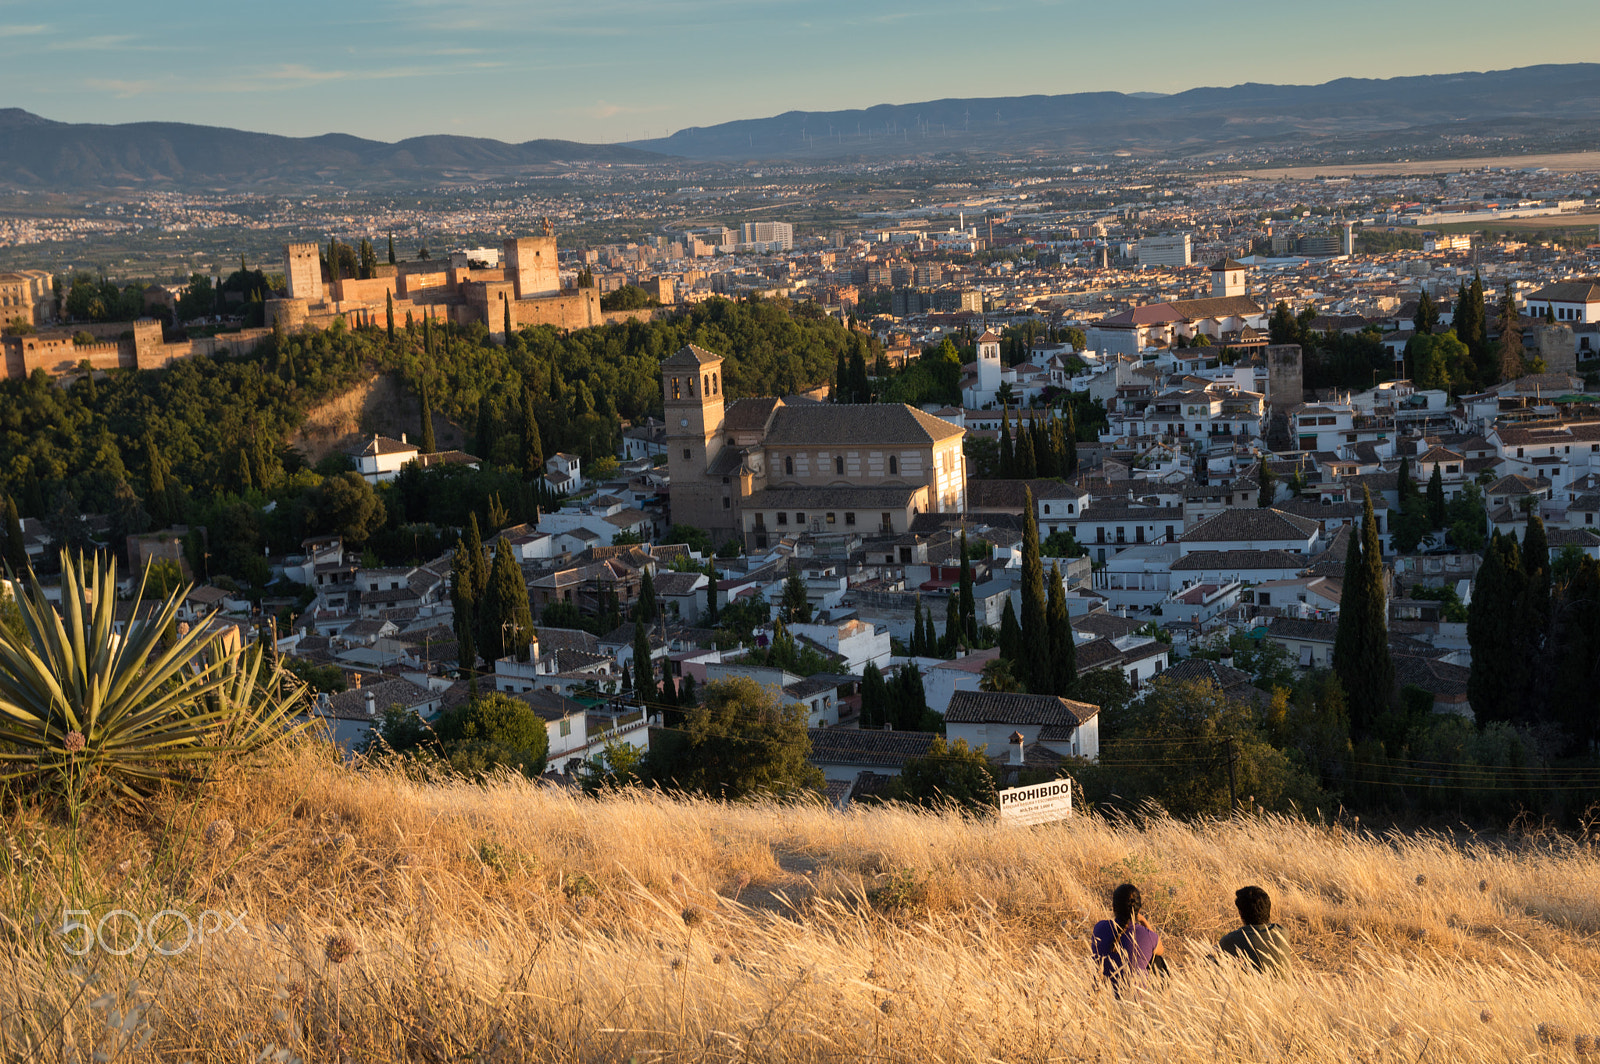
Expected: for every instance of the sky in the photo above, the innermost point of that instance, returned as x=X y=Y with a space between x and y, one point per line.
x=616 y=70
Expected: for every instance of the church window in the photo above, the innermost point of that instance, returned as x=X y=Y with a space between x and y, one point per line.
x=838 y=465
x=788 y=465
x=676 y=389
x=707 y=385
x=716 y=384
x=894 y=465
x=686 y=454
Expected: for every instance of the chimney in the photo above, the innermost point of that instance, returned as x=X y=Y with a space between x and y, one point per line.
x=372 y=704
x=1016 y=748
x=402 y=437
x=888 y=727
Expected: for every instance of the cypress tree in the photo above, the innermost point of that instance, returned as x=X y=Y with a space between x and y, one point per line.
x=15 y=553
x=1575 y=692
x=644 y=681
x=711 y=591
x=1036 y=670
x=464 y=599
x=686 y=695
x=669 y=688
x=1010 y=635
x=427 y=337
x=1404 y=485
x=158 y=500
x=1536 y=571
x=484 y=427
x=1361 y=645
x=1511 y=365
x=1436 y=507
x=1427 y=315
x=874 y=697
x=1071 y=433
x=507 y=616
x=1268 y=481
x=645 y=611
x=1490 y=622
x=930 y=634
x=391 y=249
x=1477 y=334
x=969 y=609
x=428 y=445
x=507 y=323
x=952 y=626
x=841 y=381
x=1063 y=648
x=1008 y=460
x=860 y=388
x=532 y=449
x=1026 y=466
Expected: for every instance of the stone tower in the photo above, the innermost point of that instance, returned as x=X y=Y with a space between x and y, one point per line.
x=691 y=383
x=303 y=268
x=530 y=265
x=1285 y=380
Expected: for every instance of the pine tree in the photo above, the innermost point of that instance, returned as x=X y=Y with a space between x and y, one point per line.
x=968 y=607
x=1361 y=644
x=1436 y=505
x=645 y=610
x=1008 y=459
x=1035 y=668
x=428 y=446
x=532 y=448
x=388 y=312
x=15 y=551
x=1063 y=647
x=1010 y=634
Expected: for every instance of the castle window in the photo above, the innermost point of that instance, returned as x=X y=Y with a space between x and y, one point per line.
x=894 y=465
x=727 y=503
x=838 y=465
x=788 y=465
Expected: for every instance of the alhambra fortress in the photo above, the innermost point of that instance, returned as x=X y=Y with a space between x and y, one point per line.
x=526 y=287
x=528 y=283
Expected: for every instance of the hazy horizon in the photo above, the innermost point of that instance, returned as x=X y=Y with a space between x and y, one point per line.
x=623 y=70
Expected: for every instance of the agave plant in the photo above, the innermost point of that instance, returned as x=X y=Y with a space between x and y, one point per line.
x=135 y=709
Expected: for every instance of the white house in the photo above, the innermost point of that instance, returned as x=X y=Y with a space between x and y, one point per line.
x=1569 y=301
x=381 y=458
x=989 y=718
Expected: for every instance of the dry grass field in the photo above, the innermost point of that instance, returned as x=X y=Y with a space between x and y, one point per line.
x=391 y=920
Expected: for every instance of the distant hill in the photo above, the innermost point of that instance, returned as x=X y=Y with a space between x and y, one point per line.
x=36 y=152
x=1349 y=112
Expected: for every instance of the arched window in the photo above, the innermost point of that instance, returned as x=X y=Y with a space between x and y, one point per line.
x=838 y=464
x=716 y=384
x=788 y=465
x=894 y=466
x=707 y=390
x=676 y=391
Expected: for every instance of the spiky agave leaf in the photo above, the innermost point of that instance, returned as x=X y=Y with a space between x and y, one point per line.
x=143 y=706
x=259 y=706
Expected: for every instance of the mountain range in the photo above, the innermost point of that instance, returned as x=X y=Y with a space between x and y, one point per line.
x=1550 y=101
x=1354 y=112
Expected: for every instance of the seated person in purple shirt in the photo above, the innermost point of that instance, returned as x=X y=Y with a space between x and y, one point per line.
x=1126 y=945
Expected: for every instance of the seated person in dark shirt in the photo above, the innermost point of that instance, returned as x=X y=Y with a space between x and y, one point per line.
x=1260 y=941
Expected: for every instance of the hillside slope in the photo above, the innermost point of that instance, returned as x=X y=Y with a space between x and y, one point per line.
x=36 y=152
x=393 y=920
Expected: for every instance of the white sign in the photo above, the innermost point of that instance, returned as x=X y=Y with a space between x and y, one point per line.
x=1040 y=803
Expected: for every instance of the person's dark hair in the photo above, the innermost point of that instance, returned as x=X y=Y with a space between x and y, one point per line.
x=1254 y=904
x=1126 y=903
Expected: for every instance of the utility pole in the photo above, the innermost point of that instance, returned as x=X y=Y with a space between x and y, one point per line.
x=1233 y=787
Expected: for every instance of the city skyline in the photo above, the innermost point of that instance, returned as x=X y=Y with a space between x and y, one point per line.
x=620 y=70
